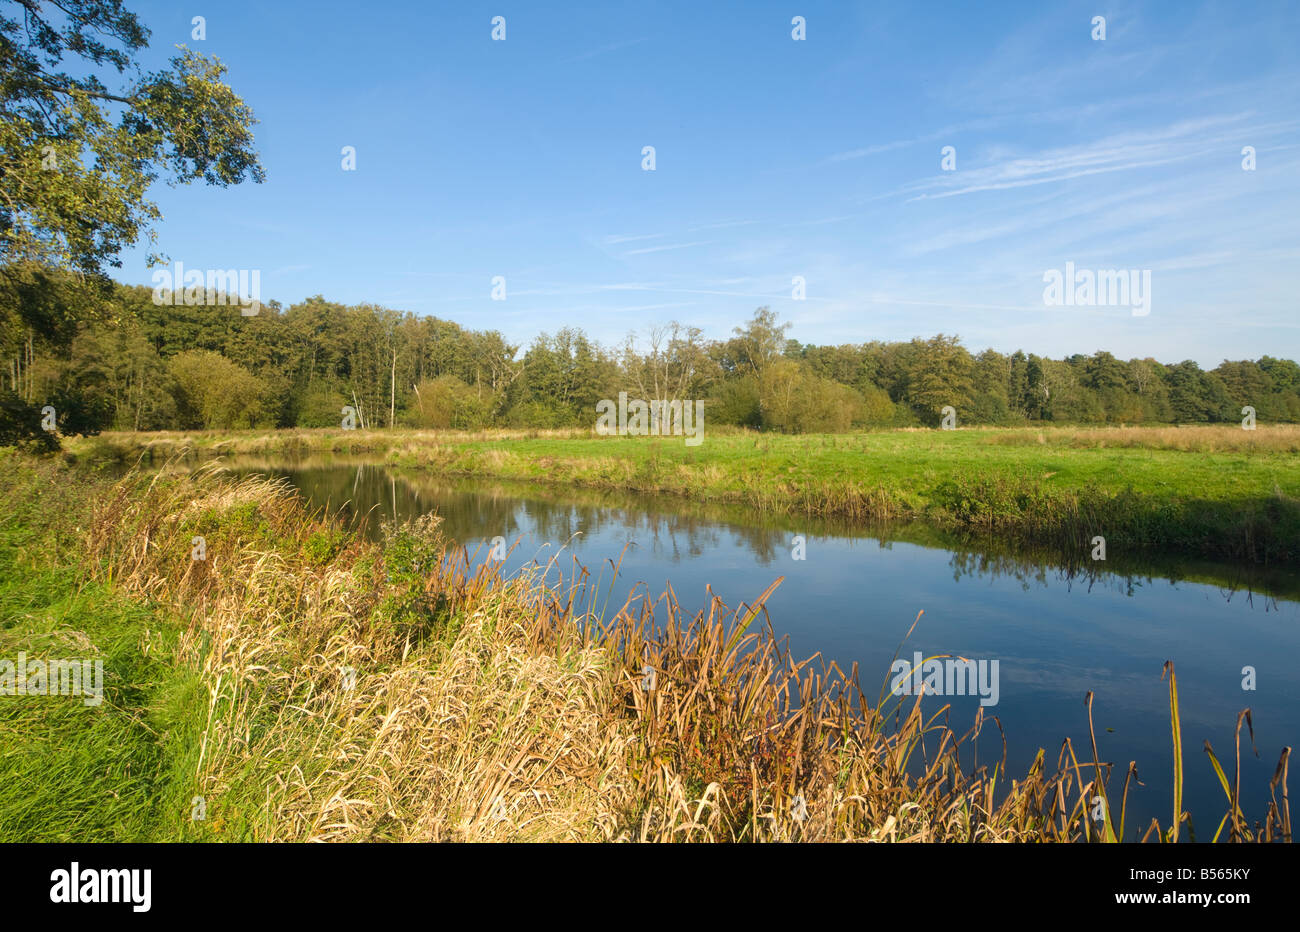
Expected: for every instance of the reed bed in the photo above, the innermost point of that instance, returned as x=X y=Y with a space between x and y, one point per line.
x=407 y=691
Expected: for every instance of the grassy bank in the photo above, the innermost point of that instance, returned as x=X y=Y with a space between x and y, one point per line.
x=1214 y=492
x=69 y=771
x=300 y=684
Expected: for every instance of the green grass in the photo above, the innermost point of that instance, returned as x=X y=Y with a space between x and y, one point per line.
x=1213 y=492
x=908 y=462
x=68 y=771
x=1238 y=504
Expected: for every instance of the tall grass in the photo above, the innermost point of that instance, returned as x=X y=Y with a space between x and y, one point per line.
x=1275 y=438
x=68 y=771
x=406 y=691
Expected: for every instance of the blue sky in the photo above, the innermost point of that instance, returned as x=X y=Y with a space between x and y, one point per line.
x=775 y=158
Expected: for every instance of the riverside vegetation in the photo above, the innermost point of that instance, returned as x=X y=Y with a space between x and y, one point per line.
x=300 y=683
x=1214 y=492
x=127 y=359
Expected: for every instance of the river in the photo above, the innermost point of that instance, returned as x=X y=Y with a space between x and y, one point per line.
x=1057 y=627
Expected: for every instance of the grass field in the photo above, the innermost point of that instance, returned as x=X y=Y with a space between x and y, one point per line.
x=299 y=684
x=1217 y=492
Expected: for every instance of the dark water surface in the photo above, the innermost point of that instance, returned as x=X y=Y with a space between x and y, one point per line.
x=1058 y=625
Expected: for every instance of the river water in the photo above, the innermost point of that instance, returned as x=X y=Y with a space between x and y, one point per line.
x=1057 y=627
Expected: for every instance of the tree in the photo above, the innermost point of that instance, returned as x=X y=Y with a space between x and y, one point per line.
x=448 y=402
x=760 y=342
x=564 y=376
x=675 y=367
x=76 y=158
x=135 y=365
x=1195 y=395
x=1067 y=400
x=736 y=401
x=991 y=377
x=941 y=373
x=1284 y=373
x=1037 y=394
x=1246 y=384
x=1102 y=371
x=796 y=401
x=213 y=393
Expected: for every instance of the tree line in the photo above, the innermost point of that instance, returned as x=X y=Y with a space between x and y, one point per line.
x=107 y=356
x=79 y=151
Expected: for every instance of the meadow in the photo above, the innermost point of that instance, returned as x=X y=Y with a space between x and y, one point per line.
x=1213 y=492
x=300 y=684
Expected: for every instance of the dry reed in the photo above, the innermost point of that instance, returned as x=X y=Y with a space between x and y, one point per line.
x=407 y=692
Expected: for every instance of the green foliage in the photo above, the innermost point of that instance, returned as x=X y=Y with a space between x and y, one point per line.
x=877 y=409
x=941 y=374
x=118 y=360
x=448 y=402
x=564 y=376
x=20 y=425
x=77 y=157
x=214 y=393
x=225 y=529
x=412 y=550
x=323 y=546
x=736 y=401
x=321 y=405
x=795 y=401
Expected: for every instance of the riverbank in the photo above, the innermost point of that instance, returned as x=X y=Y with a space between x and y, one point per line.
x=1213 y=492
x=365 y=482
x=297 y=683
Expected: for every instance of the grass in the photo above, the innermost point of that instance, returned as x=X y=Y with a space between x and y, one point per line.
x=69 y=771
x=1212 y=492
x=311 y=686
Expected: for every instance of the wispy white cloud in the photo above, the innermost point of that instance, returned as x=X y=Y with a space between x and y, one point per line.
x=948 y=133
x=824 y=220
x=722 y=225
x=1120 y=152
x=648 y=249
x=605 y=49
x=628 y=286
x=614 y=240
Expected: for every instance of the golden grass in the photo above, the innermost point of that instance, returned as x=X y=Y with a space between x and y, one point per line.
x=1271 y=438
x=411 y=444
x=165 y=444
x=407 y=693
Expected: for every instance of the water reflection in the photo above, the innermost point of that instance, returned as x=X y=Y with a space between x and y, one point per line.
x=473 y=511
x=1059 y=624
